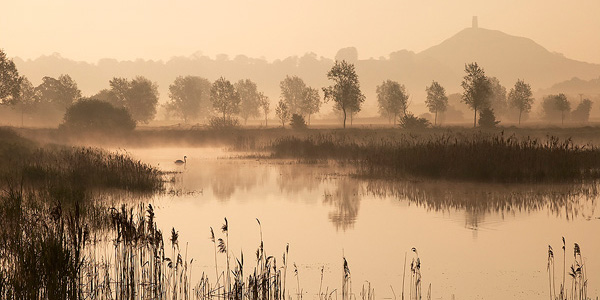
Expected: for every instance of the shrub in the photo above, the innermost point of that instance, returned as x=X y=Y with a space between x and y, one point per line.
x=487 y=118
x=298 y=122
x=223 y=123
x=96 y=115
x=409 y=121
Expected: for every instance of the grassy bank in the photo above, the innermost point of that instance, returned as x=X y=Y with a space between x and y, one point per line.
x=477 y=156
x=24 y=162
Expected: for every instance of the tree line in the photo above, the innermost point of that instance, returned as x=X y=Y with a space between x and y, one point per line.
x=196 y=98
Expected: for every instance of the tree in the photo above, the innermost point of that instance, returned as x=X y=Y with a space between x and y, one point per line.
x=119 y=88
x=10 y=81
x=554 y=105
x=282 y=112
x=498 y=97
x=190 y=97
x=392 y=99
x=520 y=98
x=265 y=105
x=61 y=92
x=28 y=99
x=477 y=90
x=346 y=89
x=249 y=99
x=313 y=102
x=297 y=122
x=293 y=93
x=582 y=112
x=97 y=115
x=487 y=118
x=436 y=101
x=224 y=98
x=141 y=99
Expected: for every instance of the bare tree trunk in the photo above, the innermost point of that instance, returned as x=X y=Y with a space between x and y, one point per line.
x=435 y=120
x=309 y=119
x=475 y=118
x=520 y=112
x=344 y=118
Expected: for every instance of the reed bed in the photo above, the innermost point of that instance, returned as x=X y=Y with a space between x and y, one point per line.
x=476 y=157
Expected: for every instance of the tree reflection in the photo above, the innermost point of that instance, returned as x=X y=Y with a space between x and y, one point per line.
x=568 y=201
x=345 y=200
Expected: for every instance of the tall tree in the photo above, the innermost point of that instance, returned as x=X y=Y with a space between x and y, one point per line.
x=249 y=99
x=436 y=101
x=61 y=92
x=497 y=97
x=293 y=93
x=265 y=106
x=477 y=89
x=346 y=89
x=224 y=98
x=312 y=102
x=520 y=97
x=141 y=99
x=28 y=98
x=190 y=97
x=10 y=81
x=392 y=99
x=282 y=112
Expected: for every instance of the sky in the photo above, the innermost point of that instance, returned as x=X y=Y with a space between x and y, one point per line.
x=88 y=30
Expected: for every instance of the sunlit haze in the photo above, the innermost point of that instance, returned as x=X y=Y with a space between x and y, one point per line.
x=160 y=29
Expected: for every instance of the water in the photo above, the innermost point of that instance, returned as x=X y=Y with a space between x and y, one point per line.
x=475 y=241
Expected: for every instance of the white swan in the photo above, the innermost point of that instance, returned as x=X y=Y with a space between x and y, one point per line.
x=181 y=162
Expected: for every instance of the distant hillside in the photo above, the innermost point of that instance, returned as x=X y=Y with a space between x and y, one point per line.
x=509 y=58
x=576 y=86
x=501 y=55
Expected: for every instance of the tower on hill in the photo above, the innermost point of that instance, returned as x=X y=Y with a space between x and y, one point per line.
x=474 y=22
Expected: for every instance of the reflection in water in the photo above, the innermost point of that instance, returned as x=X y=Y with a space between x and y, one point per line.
x=346 y=202
x=223 y=178
x=478 y=199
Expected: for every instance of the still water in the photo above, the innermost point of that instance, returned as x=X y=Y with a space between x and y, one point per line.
x=475 y=241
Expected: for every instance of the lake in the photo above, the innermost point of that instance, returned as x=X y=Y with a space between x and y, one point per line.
x=474 y=241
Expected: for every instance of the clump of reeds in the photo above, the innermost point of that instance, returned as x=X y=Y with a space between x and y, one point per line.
x=482 y=157
x=579 y=281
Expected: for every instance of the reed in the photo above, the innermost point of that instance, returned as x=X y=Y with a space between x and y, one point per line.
x=577 y=273
x=477 y=156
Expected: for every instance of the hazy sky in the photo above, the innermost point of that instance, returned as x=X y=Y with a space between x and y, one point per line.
x=159 y=29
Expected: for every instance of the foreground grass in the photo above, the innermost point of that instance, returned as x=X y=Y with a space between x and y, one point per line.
x=478 y=156
x=49 y=209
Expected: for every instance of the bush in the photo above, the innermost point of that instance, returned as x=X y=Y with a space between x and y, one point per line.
x=487 y=118
x=223 y=123
x=409 y=121
x=99 y=116
x=298 y=122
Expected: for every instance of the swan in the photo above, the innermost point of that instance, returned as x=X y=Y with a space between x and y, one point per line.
x=181 y=162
